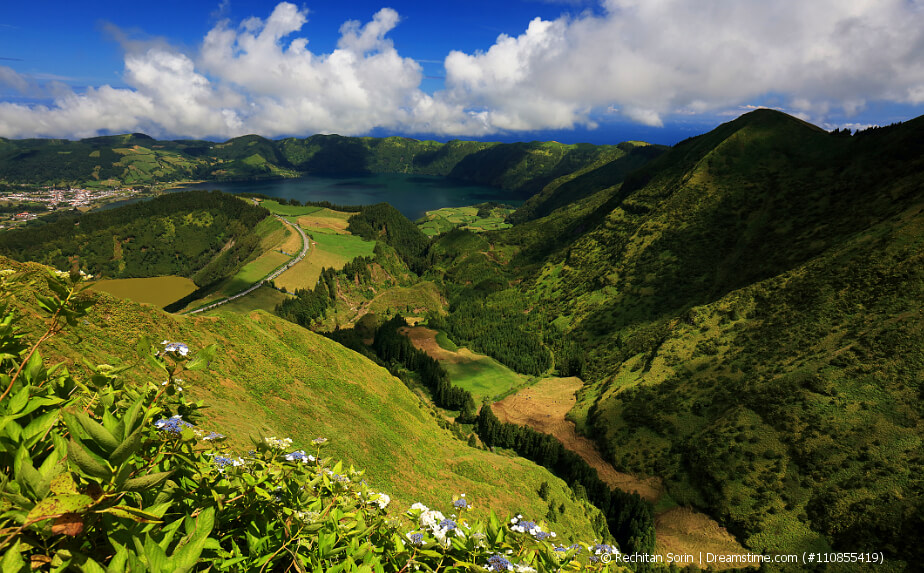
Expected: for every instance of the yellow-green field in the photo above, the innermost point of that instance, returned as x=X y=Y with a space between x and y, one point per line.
x=264 y=298
x=326 y=219
x=328 y=249
x=159 y=291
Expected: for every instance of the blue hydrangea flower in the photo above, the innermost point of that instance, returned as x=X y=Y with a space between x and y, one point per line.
x=460 y=503
x=448 y=524
x=300 y=456
x=416 y=538
x=540 y=535
x=499 y=563
x=174 y=424
x=214 y=436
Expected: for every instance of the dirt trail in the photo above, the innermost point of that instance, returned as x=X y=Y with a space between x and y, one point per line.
x=543 y=407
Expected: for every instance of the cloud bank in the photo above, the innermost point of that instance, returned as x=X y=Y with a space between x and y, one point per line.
x=645 y=60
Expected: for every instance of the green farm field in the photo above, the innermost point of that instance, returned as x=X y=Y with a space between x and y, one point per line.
x=327 y=250
x=159 y=291
x=264 y=298
x=448 y=218
x=287 y=210
x=481 y=375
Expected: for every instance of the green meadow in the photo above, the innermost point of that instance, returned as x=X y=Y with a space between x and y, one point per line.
x=159 y=291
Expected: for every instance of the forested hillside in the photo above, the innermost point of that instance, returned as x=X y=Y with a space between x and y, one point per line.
x=136 y=159
x=203 y=235
x=747 y=311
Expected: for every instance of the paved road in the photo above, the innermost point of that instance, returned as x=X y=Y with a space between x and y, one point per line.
x=269 y=277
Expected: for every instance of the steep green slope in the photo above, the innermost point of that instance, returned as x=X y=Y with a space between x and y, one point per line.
x=273 y=378
x=201 y=235
x=747 y=311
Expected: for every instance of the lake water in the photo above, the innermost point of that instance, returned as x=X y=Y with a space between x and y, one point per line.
x=413 y=195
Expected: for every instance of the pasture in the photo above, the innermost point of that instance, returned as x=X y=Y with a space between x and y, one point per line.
x=481 y=375
x=327 y=250
x=159 y=291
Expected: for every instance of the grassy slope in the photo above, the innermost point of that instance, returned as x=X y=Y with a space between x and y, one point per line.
x=274 y=378
x=751 y=305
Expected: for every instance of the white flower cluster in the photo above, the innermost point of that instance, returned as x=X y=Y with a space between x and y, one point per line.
x=517 y=524
x=278 y=443
x=307 y=516
x=382 y=500
x=440 y=527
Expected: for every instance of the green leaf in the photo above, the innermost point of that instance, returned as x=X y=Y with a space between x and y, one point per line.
x=63 y=484
x=131 y=416
x=28 y=477
x=186 y=556
x=58 y=286
x=132 y=513
x=128 y=447
x=203 y=357
x=56 y=505
x=157 y=558
x=12 y=561
x=100 y=435
x=146 y=482
x=19 y=400
x=39 y=425
x=83 y=460
x=48 y=304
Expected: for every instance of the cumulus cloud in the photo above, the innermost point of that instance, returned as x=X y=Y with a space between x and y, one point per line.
x=652 y=58
x=645 y=60
x=251 y=78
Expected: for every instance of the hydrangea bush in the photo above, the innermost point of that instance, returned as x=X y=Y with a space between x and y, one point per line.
x=99 y=476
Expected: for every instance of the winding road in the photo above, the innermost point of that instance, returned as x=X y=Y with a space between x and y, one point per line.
x=269 y=277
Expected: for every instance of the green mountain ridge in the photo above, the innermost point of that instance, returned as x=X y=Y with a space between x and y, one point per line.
x=750 y=307
x=136 y=159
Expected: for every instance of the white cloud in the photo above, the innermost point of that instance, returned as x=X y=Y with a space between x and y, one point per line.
x=649 y=58
x=646 y=60
x=253 y=78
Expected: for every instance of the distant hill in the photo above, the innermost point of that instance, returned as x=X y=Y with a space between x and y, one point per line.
x=137 y=160
x=206 y=236
x=746 y=308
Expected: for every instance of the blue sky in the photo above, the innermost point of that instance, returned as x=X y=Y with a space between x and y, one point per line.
x=602 y=72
